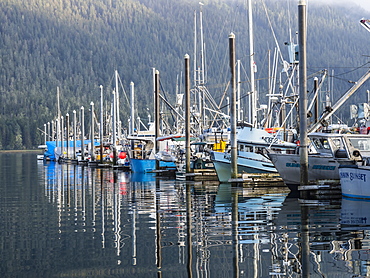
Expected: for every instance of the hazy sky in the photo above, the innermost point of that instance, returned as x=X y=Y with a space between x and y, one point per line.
x=363 y=3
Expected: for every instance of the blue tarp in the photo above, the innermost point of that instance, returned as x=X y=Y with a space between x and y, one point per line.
x=51 y=145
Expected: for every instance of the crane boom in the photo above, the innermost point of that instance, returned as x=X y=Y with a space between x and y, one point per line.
x=365 y=23
x=329 y=112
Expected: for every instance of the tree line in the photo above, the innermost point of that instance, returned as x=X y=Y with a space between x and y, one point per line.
x=77 y=45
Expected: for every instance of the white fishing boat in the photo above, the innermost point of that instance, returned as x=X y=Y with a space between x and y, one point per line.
x=252 y=155
x=326 y=152
x=355 y=181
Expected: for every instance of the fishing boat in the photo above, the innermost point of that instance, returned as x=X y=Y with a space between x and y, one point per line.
x=355 y=181
x=252 y=155
x=142 y=154
x=326 y=152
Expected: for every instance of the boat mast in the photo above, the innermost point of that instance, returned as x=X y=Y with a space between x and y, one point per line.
x=238 y=101
x=67 y=135
x=201 y=73
x=202 y=70
x=253 y=93
x=114 y=126
x=132 y=122
x=58 y=117
x=92 y=146
x=195 y=48
x=62 y=136
x=82 y=121
x=101 y=127
x=118 y=121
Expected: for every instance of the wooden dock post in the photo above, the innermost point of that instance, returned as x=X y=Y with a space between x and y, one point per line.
x=157 y=115
x=82 y=121
x=234 y=155
x=303 y=130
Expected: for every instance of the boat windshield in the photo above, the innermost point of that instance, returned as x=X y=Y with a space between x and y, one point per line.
x=321 y=145
x=363 y=144
x=337 y=143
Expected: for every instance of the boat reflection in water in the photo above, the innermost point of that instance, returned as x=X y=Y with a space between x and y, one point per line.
x=355 y=213
x=139 y=225
x=354 y=245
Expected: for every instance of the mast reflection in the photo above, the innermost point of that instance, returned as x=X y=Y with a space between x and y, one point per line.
x=205 y=230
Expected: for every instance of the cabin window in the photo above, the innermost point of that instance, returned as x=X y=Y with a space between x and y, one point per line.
x=325 y=144
x=245 y=148
x=363 y=144
x=337 y=143
x=321 y=145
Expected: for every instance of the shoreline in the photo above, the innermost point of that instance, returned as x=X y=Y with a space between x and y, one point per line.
x=18 y=151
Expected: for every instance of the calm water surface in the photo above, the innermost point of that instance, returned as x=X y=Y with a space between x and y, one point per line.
x=72 y=221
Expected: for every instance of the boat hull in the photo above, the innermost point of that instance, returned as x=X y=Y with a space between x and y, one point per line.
x=247 y=163
x=319 y=168
x=355 y=181
x=148 y=165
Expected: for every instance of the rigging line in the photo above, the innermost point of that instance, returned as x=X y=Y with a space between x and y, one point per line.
x=273 y=32
x=313 y=68
x=208 y=95
x=164 y=98
x=286 y=118
x=359 y=67
x=241 y=98
x=289 y=23
x=111 y=80
x=221 y=101
x=262 y=66
x=342 y=79
x=123 y=89
x=217 y=42
x=172 y=109
x=233 y=19
x=339 y=119
x=315 y=73
x=245 y=73
x=162 y=90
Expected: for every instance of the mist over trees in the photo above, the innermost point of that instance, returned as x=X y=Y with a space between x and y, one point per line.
x=77 y=45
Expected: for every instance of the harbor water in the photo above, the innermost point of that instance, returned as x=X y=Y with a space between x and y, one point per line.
x=62 y=220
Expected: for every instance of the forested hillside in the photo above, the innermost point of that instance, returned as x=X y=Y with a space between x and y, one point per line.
x=77 y=45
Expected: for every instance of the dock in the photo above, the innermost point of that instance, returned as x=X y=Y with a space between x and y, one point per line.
x=321 y=189
x=201 y=175
x=254 y=180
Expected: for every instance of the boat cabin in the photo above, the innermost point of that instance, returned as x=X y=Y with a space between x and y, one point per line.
x=350 y=146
